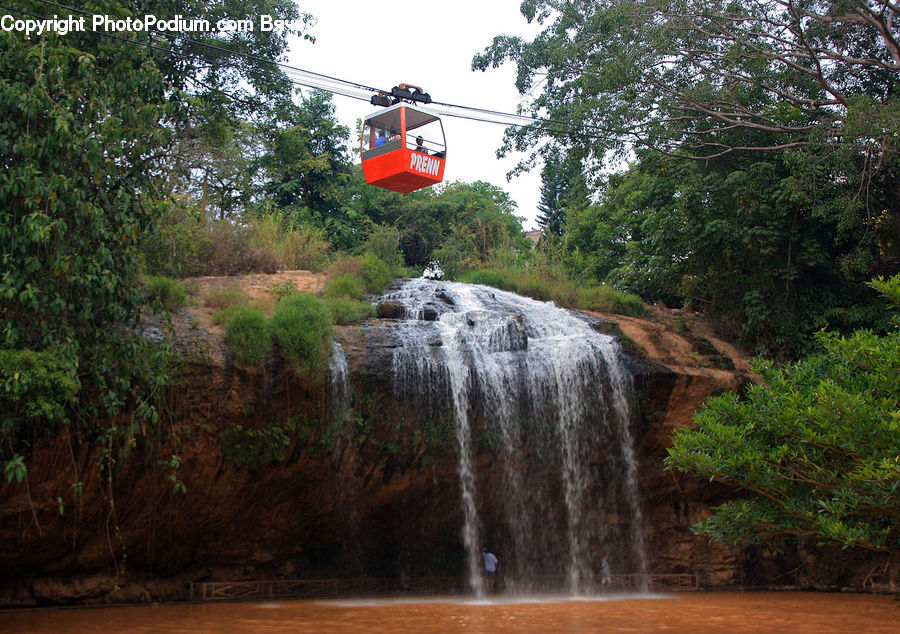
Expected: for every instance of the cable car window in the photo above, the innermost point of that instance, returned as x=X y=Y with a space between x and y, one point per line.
x=403 y=148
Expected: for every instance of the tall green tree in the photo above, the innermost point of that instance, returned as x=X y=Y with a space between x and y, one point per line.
x=84 y=124
x=481 y=225
x=554 y=188
x=236 y=92
x=815 y=445
x=306 y=166
x=802 y=91
x=678 y=75
x=87 y=125
x=733 y=238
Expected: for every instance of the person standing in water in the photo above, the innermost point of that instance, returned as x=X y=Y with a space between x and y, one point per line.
x=490 y=568
x=605 y=576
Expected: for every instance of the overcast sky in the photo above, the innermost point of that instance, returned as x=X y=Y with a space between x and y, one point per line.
x=428 y=44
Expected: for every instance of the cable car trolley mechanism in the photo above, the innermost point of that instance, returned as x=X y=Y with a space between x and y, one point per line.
x=402 y=147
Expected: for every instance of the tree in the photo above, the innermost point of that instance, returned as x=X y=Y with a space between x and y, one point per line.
x=767 y=96
x=233 y=89
x=816 y=446
x=705 y=78
x=84 y=125
x=674 y=75
x=481 y=224
x=306 y=165
x=554 y=188
x=86 y=147
x=733 y=238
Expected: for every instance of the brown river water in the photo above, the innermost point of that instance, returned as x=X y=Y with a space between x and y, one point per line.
x=683 y=612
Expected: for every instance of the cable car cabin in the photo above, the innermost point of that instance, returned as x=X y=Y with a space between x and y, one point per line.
x=403 y=149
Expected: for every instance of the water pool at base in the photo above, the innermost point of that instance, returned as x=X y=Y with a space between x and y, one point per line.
x=699 y=612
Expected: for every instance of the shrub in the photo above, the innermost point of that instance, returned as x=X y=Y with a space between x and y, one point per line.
x=232 y=251
x=247 y=335
x=168 y=291
x=185 y=242
x=255 y=447
x=384 y=242
x=301 y=326
x=376 y=273
x=224 y=316
x=280 y=291
x=345 y=310
x=179 y=242
x=607 y=299
x=293 y=248
x=347 y=285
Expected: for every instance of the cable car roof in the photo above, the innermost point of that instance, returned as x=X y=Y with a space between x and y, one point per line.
x=390 y=117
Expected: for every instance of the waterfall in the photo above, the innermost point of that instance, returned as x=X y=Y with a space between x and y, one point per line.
x=339 y=373
x=548 y=398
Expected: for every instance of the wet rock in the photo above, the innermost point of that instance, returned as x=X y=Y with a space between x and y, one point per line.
x=444 y=297
x=389 y=309
x=346 y=497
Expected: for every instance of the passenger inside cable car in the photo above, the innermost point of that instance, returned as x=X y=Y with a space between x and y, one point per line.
x=403 y=148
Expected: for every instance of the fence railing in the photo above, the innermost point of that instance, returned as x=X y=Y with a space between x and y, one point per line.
x=327 y=588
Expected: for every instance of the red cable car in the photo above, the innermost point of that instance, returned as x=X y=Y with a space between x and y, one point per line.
x=403 y=148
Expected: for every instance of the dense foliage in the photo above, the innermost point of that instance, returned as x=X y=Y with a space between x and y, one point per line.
x=762 y=140
x=816 y=445
x=92 y=132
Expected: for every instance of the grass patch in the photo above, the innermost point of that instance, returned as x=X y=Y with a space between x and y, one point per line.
x=291 y=247
x=219 y=298
x=168 y=291
x=346 y=310
x=346 y=285
x=561 y=291
x=247 y=335
x=301 y=326
x=609 y=300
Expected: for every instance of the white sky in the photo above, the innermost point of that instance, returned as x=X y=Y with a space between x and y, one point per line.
x=430 y=44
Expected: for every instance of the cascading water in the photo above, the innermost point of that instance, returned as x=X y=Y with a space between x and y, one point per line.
x=546 y=396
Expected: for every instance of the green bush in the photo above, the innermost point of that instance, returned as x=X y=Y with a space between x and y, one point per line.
x=179 y=242
x=345 y=310
x=346 y=285
x=169 y=292
x=247 y=336
x=280 y=291
x=255 y=447
x=35 y=387
x=609 y=300
x=301 y=326
x=222 y=317
x=376 y=273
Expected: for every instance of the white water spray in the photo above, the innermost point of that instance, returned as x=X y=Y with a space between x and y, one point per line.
x=537 y=377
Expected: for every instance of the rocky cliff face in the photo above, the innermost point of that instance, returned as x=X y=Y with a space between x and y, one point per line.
x=283 y=478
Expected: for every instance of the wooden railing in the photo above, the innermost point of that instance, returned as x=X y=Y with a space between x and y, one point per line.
x=327 y=588
x=313 y=588
x=680 y=581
